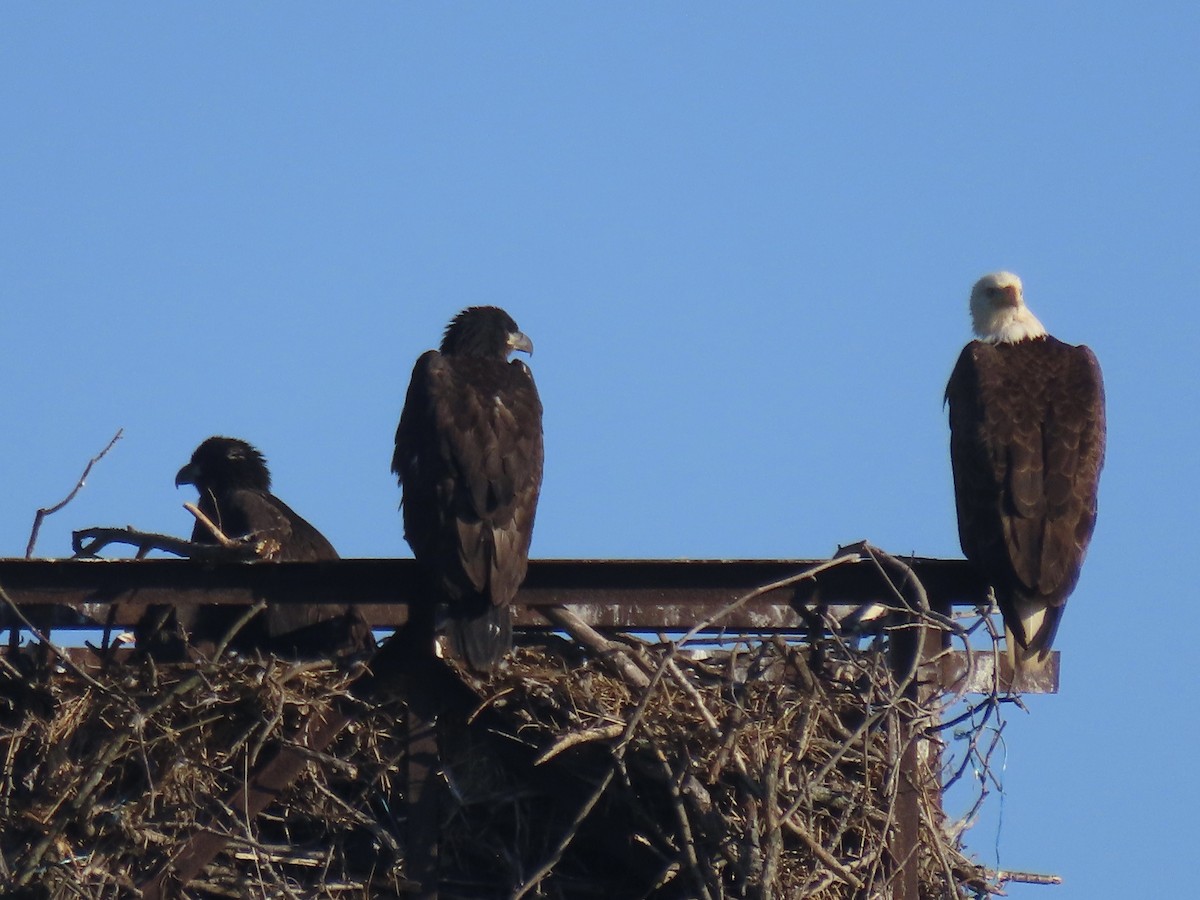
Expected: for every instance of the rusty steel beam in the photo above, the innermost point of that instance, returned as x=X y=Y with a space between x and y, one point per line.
x=649 y=594
x=424 y=790
x=912 y=652
x=985 y=670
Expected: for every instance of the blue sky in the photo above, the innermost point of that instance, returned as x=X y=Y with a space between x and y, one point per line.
x=741 y=239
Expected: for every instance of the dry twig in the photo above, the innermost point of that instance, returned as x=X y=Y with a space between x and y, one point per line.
x=51 y=510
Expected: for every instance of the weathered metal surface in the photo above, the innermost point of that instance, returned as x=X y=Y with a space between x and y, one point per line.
x=649 y=594
x=424 y=786
x=49 y=589
x=912 y=651
x=979 y=674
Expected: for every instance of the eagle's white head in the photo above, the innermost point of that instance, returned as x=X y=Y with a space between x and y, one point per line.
x=998 y=311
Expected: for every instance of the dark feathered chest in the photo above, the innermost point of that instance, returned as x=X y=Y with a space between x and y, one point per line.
x=497 y=403
x=492 y=378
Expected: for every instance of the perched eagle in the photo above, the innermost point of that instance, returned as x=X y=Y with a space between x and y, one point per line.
x=235 y=493
x=1026 y=445
x=469 y=458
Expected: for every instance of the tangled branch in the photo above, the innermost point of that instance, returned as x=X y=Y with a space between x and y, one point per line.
x=51 y=510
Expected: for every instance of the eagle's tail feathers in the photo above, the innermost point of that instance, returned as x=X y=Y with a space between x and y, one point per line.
x=481 y=640
x=1027 y=662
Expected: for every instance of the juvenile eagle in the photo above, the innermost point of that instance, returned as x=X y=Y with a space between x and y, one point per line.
x=235 y=493
x=1027 y=437
x=468 y=456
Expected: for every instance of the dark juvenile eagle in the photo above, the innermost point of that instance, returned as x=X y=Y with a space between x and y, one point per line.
x=235 y=494
x=469 y=458
x=1027 y=435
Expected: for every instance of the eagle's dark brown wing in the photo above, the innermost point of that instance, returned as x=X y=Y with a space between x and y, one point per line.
x=245 y=511
x=1027 y=435
x=286 y=536
x=469 y=454
x=291 y=629
x=234 y=485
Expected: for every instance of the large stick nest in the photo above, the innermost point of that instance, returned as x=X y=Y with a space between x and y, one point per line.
x=102 y=780
x=761 y=769
x=751 y=768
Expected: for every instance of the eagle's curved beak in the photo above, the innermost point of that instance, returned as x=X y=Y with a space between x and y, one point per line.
x=1010 y=296
x=186 y=475
x=519 y=341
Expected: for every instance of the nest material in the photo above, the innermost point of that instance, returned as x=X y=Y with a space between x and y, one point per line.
x=761 y=770
x=104 y=779
x=757 y=769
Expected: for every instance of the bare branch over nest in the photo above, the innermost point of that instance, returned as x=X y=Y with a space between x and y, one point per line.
x=613 y=653
x=51 y=510
x=88 y=542
x=209 y=525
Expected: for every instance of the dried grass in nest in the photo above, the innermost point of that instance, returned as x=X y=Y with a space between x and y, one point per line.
x=745 y=771
x=754 y=769
x=101 y=781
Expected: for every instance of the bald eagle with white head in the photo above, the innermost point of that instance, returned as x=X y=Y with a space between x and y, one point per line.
x=1027 y=437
